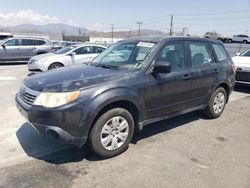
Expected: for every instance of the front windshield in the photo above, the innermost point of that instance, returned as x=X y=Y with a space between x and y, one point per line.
x=65 y=50
x=131 y=55
x=246 y=53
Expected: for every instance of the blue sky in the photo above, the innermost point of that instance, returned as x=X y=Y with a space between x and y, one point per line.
x=224 y=16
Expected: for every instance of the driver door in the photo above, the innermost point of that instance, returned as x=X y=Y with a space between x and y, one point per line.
x=169 y=92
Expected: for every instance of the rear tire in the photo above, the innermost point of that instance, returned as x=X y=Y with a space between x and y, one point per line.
x=229 y=40
x=112 y=133
x=55 y=66
x=216 y=103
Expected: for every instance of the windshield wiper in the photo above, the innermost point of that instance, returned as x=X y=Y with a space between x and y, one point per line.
x=106 y=66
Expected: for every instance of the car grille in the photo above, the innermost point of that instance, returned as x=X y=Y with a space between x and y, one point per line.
x=242 y=76
x=27 y=96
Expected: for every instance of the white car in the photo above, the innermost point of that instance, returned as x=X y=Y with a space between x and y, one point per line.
x=74 y=54
x=242 y=63
x=239 y=38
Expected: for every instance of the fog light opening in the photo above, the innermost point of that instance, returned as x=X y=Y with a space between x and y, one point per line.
x=53 y=134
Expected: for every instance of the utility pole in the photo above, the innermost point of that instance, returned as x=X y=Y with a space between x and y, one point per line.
x=85 y=31
x=112 y=32
x=129 y=33
x=79 y=31
x=171 y=25
x=139 y=29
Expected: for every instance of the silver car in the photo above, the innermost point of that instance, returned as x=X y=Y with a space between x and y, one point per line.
x=70 y=55
x=22 y=49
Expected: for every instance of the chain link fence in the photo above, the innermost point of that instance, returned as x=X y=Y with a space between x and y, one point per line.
x=233 y=48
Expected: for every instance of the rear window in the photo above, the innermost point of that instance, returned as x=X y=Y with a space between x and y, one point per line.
x=220 y=52
x=40 y=42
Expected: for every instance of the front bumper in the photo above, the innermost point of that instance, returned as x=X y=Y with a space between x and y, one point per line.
x=35 y=66
x=68 y=124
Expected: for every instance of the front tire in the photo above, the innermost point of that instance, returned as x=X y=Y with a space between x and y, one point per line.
x=112 y=133
x=216 y=103
x=55 y=66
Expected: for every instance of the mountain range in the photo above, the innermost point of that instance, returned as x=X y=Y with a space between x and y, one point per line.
x=60 y=28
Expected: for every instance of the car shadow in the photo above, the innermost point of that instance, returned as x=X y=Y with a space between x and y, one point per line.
x=165 y=125
x=52 y=152
x=242 y=88
x=14 y=63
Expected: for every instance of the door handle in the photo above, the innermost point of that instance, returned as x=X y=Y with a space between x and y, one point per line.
x=186 y=76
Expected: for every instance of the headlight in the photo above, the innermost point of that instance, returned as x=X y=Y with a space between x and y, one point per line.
x=31 y=61
x=51 y=100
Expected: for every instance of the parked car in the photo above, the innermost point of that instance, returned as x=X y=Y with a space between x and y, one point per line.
x=133 y=83
x=22 y=49
x=214 y=35
x=70 y=55
x=4 y=35
x=242 y=63
x=239 y=38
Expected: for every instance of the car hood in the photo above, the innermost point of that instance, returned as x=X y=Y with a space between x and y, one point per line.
x=241 y=61
x=46 y=55
x=71 y=78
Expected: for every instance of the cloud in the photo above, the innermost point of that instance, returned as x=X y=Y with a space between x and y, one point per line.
x=26 y=16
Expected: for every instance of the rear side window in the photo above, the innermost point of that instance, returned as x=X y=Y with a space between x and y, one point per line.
x=200 y=53
x=98 y=49
x=220 y=52
x=40 y=42
x=28 y=42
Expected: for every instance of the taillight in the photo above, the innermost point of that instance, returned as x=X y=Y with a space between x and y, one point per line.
x=234 y=68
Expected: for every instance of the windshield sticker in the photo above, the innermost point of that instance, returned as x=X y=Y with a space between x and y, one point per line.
x=146 y=44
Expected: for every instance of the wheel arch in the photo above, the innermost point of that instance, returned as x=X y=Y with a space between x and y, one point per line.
x=226 y=87
x=55 y=63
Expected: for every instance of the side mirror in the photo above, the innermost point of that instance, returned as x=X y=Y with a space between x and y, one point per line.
x=162 y=67
x=72 y=54
x=238 y=54
x=3 y=45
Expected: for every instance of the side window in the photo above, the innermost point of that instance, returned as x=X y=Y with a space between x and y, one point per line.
x=200 y=53
x=40 y=42
x=83 y=50
x=98 y=49
x=28 y=42
x=173 y=54
x=220 y=52
x=12 y=42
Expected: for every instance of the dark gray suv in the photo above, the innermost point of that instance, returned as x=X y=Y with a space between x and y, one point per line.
x=22 y=49
x=131 y=84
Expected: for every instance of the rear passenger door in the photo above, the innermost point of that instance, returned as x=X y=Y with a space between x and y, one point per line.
x=204 y=71
x=27 y=48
